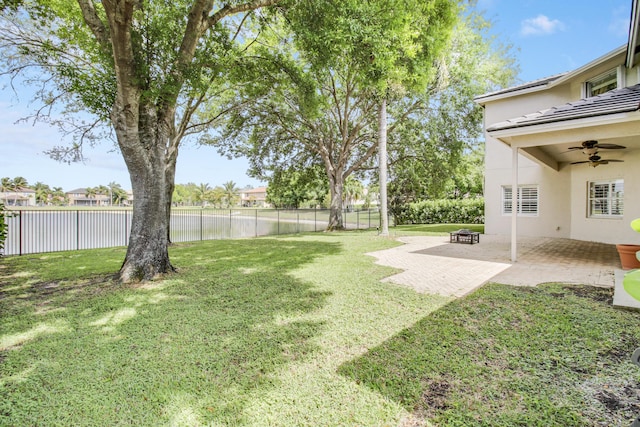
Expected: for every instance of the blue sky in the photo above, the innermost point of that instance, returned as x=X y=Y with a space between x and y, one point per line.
x=548 y=37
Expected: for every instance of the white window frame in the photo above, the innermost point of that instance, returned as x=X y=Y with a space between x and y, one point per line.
x=611 y=202
x=619 y=77
x=528 y=200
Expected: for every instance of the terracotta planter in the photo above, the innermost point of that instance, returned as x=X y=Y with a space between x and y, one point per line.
x=628 y=257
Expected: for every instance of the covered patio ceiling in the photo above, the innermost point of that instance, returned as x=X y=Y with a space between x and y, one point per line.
x=546 y=136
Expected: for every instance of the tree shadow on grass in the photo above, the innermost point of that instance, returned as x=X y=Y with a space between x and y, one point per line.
x=512 y=356
x=188 y=349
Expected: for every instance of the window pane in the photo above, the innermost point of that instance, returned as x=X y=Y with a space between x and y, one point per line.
x=603 y=84
x=606 y=198
x=527 y=200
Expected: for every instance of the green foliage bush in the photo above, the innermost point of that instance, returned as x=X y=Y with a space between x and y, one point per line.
x=443 y=211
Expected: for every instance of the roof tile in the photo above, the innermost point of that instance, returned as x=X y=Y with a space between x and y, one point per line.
x=613 y=102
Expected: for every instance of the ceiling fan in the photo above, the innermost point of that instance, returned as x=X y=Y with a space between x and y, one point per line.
x=595 y=160
x=591 y=147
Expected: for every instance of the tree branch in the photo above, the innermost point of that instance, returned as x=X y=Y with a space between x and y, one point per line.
x=231 y=10
x=95 y=24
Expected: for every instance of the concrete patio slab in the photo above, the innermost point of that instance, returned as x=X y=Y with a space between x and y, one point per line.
x=433 y=265
x=621 y=297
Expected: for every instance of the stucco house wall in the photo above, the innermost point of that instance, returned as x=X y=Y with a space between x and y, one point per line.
x=553 y=219
x=607 y=230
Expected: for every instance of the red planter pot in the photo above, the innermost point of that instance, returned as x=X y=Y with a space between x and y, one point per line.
x=628 y=256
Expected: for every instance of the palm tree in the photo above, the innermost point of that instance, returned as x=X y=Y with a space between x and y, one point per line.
x=231 y=195
x=6 y=186
x=90 y=193
x=58 y=197
x=113 y=187
x=103 y=190
x=119 y=196
x=217 y=196
x=42 y=193
x=20 y=182
x=202 y=192
x=353 y=190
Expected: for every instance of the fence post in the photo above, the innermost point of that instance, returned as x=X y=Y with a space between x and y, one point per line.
x=256 y=222
x=78 y=229
x=20 y=231
x=126 y=235
x=278 y=211
x=315 y=219
x=230 y=224
x=201 y=227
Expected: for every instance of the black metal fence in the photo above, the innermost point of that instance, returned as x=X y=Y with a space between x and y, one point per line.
x=36 y=231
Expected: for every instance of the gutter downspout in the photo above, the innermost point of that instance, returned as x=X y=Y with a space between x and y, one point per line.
x=514 y=203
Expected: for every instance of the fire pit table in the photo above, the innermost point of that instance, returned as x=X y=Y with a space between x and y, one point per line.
x=464 y=236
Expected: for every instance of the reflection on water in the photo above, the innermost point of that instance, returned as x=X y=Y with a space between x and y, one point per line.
x=34 y=231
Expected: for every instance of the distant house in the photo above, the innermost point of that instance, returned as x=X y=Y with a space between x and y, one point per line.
x=129 y=201
x=255 y=197
x=78 y=197
x=18 y=197
x=562 y=154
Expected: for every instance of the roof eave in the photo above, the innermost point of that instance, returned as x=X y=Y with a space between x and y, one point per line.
x=618 y=117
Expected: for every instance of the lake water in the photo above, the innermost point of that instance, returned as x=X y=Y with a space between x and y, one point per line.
x=35 y=231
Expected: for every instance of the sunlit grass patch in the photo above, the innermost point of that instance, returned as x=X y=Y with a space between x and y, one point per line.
x=13 y=340
x=19 y=274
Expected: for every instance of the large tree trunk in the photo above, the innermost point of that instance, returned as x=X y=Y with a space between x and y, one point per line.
x=382 y=164
x=336 y=182
x=144 y=153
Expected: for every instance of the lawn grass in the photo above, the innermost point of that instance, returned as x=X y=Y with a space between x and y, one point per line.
x=432 y=229
x=248 y=332
x=299 y=331
x=555 y=355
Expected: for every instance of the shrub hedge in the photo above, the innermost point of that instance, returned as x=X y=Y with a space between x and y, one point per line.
x=444 y=211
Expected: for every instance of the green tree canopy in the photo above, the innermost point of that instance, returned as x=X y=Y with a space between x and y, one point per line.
x=438 y=153
x=318 y=106
x=296 y=188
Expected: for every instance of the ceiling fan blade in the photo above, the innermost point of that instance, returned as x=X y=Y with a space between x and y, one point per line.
x=611 y=160
x=584 y=161
x=611 y=146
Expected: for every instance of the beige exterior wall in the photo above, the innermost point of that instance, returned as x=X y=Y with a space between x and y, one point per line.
x=606 y=230
x=553 y=219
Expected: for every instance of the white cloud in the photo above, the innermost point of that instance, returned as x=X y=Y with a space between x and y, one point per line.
x=540 y=25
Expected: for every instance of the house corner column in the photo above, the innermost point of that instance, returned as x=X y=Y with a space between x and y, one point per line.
x=514 y=203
